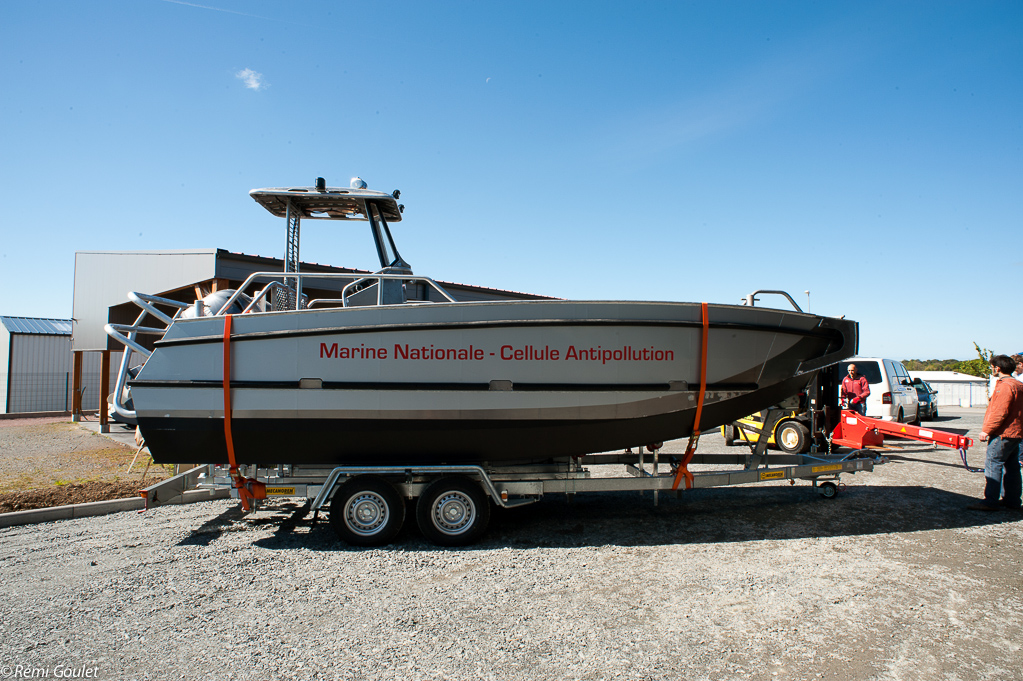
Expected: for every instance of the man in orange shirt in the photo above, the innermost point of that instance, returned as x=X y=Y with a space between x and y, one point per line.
x=1002 y=430
x=1018 y=359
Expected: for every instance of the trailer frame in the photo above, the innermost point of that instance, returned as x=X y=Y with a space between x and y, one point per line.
x=504 y=485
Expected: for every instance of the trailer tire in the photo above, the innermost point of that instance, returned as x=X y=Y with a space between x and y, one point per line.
x=828 y=490
x=453 y=511
x=792 y=437
x=367 y=511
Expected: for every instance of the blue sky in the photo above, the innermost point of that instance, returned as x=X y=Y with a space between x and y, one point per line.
x=869 y=152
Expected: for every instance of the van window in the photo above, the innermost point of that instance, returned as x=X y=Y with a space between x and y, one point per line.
x=868 y=369
x=901 y=372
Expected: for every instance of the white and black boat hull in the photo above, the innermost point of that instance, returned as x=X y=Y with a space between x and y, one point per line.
x=470 y=382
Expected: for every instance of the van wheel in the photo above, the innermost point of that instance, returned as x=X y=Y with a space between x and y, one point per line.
x=453 y=511
x=366 y=511
x=900 y=417
x=934 y=415
x=792 y=437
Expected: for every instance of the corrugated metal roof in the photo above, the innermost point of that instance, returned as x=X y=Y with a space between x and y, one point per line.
x=49 y=327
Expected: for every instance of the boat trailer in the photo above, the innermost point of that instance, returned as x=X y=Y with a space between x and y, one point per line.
x=366 y=504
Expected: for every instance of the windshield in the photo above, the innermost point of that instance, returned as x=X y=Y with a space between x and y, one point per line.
x=868 y=369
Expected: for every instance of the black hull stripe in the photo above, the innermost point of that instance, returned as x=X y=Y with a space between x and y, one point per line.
x=521 y=387
x=429 y=326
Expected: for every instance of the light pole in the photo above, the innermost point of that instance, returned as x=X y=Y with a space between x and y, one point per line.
x=807 y=301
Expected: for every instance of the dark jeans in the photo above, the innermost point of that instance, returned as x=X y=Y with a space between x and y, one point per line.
x=1002 y=468
x=860 y=408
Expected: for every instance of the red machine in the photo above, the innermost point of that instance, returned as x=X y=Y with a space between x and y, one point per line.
x=859 y=432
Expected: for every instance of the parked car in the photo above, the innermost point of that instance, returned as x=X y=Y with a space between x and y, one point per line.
x=928 y=397
x=892 y=394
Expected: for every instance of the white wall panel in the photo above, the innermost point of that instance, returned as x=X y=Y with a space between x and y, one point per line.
x=5 y=351
x=960 y=393
x=38 y=375
x=103 y=279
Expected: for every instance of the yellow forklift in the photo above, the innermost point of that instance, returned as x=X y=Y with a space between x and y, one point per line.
x=791 y=433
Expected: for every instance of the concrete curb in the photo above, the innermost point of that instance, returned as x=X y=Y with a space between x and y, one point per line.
x=28 y=415
x=43 y=515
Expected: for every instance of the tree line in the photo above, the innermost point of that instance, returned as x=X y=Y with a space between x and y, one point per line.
x=980 y=366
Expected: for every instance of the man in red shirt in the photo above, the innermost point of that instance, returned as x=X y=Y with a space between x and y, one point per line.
x=1002 y=430
x=855 y=391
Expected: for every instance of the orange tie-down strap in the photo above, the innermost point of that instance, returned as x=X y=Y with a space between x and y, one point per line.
x=683 y=467
x=248 y=488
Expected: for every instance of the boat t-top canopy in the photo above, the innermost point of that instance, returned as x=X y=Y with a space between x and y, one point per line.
x=327 y=203
x=321 y=202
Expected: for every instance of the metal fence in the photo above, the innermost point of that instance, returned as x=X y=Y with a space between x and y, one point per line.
x=39 y=374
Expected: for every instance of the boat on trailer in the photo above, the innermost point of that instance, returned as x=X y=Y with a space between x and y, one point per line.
x=397 y=372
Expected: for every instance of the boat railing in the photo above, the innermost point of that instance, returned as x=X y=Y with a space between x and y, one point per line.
x=751 y=299
x=261 y=295
x=286 y=283
x=282 y=280
x=127 y=335
x=379 y=277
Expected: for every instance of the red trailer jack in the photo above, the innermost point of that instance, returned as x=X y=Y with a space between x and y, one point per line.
x=860 y=432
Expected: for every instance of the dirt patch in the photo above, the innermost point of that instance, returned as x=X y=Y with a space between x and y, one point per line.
x=75 y=493
x=53 y=462
x=31 y=421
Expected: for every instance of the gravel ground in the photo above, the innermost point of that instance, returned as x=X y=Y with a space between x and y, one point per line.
x=893 y=579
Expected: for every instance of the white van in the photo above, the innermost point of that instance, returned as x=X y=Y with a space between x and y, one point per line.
x=892 y=394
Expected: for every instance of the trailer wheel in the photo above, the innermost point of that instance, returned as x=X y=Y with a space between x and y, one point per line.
x=828 y=490
x=792 y=437
x=729 y=435
x=453 y=511
x=366 y=511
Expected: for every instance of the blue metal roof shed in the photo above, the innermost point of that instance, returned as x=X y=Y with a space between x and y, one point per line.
x=48 y=327
x=35 y=364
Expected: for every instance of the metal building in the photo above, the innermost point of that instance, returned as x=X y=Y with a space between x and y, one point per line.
x=104 y=278
x=35 y=364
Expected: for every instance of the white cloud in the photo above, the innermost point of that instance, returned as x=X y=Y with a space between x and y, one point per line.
x=252 y=80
